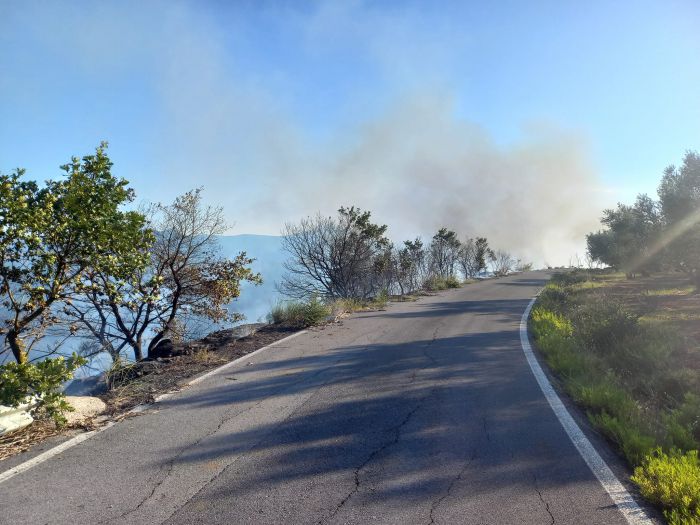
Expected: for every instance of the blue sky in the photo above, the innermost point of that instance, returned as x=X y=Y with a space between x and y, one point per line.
x=263 y=103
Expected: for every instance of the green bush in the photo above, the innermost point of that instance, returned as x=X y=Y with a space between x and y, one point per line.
x=602 y=325
x=435 y=283
x=683 y=424
x=546 y=322
x=44 y=379
x=555 y=298
x=341 y=306
x=452 y=282
x=381 y=300
x=627 y=434
x=569 y=278
x=605 y=396
x=672 y=481
x=300 y=314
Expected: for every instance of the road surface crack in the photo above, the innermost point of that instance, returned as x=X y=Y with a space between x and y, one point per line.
x=357 y=479
x=447 y=493
x=430 y=343
x=171 y=466
x=486 y=429
x=544 y=502
x=262 y=438
x=226 y=417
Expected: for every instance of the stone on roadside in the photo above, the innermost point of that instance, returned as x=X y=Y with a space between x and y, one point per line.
x=86 y=407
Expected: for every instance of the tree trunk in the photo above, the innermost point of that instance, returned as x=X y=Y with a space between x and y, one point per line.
x=17 y=346
x=138 y=351
x=163 y=334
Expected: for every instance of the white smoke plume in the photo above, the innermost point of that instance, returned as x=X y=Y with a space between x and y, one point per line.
x=412 y=158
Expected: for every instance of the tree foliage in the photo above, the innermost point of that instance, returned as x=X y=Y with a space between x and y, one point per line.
x=411 y=266
x=184 y=277
x=444 y=253
x=630 y=237
x=650 y=234
x=503 y=263
x=472 y=256
x=334 y=257
x=51 y=235
x=679 y=197
x=42 y=380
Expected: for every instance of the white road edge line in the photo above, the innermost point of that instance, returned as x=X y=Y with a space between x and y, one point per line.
x=23 y=467
x=618 y=493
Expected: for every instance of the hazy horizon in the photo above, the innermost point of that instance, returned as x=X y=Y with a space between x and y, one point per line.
x=520 y=123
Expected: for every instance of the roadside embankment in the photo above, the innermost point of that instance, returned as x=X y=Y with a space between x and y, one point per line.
x=628 y=354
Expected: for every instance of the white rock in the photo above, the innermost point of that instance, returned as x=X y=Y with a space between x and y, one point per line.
x=85 y=407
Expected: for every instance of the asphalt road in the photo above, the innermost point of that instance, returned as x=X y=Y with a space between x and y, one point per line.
x=424 y=413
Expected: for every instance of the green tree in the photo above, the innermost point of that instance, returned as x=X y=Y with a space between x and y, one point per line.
x=631 y=236
x=444 y=252
x=472 y=256
x=410 y=264
x=185 y=278
x=679 y=193
x=51 y=235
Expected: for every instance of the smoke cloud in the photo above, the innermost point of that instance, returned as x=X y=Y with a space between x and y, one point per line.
x=410 y=156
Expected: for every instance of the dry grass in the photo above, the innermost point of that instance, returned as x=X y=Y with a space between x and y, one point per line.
x=166 y=375
x=23 y=439
x=661 y=299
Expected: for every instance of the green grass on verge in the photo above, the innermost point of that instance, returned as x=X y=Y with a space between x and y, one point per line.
x=626 y=374
x=435 y=284
x=300 y=313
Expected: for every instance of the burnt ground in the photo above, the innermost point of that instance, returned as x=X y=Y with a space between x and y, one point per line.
x=140 y=383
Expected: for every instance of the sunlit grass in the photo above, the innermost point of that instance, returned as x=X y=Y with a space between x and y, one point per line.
x=671 y=316
x=685 y=290
x=590 y=285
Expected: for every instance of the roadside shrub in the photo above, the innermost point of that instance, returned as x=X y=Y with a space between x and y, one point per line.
x=278 y=313
x=605 y=396
x=674 y=383
x=545 y=322
x=340 y=306
x=602 y=326
x=672 y=481
x=554 y=297
x=569 y=278
x=683 y=424
x=19 y=381
x=301 y=314
x=381 y=300
x=452 y=282
x=120 y=372
x=644 y=360
x=633 y=442
x=435 y=283
x=553 y=334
